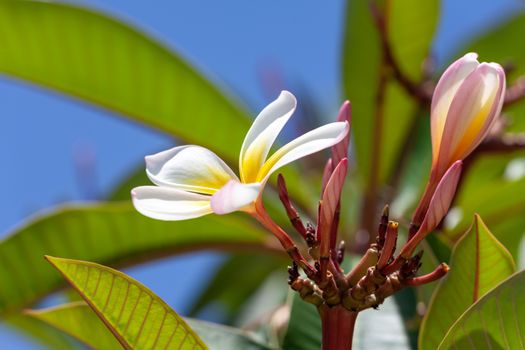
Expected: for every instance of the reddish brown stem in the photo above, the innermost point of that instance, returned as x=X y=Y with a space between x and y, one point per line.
x=515 y=93
x=439 y=272
x=338 y=327
x=262 y=216
x=503 y=144
x=381 y=230
x=390 y=245
x=416 y=90
x=292 y=213
x=333 y=232
x=393 y=266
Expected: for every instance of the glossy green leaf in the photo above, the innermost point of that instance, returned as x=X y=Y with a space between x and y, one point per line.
x=235 y=281
x=104 y=61
x=380 y=130
x=137 y=317
x=494 y=322
x=479 y=262
x=499 y=45
x=112 y=233
x=79 y=320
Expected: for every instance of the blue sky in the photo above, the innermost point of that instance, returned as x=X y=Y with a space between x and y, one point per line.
x=45 y=135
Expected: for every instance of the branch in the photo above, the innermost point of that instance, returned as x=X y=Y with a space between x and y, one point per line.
x=515 y=93
x=422 y=92
x=503 y=144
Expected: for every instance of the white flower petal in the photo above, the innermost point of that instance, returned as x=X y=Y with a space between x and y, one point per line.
x=311 y=142
x=234 y=196
x=263 y=133
x=163 y=203
x=189 y=168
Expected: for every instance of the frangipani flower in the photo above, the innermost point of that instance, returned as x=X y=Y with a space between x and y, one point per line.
x=466 y=102
x=193 y=181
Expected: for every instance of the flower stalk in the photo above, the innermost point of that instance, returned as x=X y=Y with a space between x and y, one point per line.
x=338 y=327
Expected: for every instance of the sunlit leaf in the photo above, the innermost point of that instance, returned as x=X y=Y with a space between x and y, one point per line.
x=494 y=322
x=101 y=60
x=112 y=233
x=137 y=317
x=479 y=262
x=79 y=320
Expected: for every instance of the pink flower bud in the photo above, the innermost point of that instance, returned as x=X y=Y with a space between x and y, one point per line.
x=467 y=100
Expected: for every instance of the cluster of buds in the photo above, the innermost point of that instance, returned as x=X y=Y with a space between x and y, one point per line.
x=467 y=100
x=191 y=181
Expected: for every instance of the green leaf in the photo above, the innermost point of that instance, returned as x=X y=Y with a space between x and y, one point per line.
x=101 y=60
x=112 y=233
x=488 y=191
x=79 y=320
x=499 y=45
x=494 y=322
x=137 y=317
x=379 y=134
x=47 y=336
x=415 y=171
x=479 y=262
x=304 y=328
x=239 y=277
x=221 y=337
x=411 y=27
